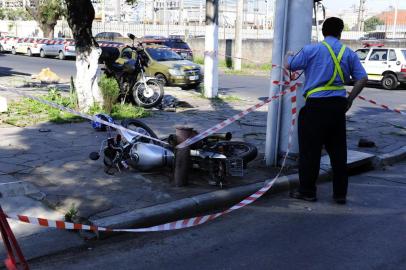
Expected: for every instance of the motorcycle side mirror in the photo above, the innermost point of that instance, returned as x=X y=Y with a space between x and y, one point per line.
x=131 y=36
x=94 y=156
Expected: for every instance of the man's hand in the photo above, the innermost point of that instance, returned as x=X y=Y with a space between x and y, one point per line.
x=286 y=64
x=356 y=90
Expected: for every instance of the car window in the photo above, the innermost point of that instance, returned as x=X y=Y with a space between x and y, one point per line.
x=392 y=55
x=362 y=53
x=163 y=54
x=178 y=44
x=379 y=55
x=404 y=53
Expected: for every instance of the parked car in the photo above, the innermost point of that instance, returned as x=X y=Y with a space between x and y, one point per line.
x=60 y=47
x=7 y=43
x=176 y=44
x=108 y=35
x=167 y=66
x=29 y=46
x=384 y=65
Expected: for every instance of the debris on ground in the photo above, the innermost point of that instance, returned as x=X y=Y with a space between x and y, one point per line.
x=47 y=76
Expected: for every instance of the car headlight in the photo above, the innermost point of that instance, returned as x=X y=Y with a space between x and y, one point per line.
x=176 y=72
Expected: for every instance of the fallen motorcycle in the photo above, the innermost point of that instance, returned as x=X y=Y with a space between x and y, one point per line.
x=217 y=154
x=146 y=92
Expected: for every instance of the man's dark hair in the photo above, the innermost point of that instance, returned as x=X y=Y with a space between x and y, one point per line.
x=333 y=27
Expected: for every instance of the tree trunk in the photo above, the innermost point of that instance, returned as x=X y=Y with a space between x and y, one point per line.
x=80 y=19
x=86 y=78
x=48 y=30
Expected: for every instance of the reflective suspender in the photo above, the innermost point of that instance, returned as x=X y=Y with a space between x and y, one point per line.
x=337 y=69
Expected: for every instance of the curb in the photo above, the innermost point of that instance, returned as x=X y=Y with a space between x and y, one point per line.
x=390 y=158
x=188 y=207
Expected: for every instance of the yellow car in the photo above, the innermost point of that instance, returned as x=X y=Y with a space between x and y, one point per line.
x=167 y=66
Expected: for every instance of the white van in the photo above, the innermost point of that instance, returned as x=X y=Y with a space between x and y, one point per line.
x=384 y=65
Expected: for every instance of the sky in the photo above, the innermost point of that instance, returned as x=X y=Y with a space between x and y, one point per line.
x=373 y=5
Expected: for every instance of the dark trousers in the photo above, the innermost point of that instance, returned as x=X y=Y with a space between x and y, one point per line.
x=322 y=123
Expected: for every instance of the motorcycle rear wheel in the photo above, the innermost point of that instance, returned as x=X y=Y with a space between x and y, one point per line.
x=140 y=127
x=149 y=96
x=245 y=151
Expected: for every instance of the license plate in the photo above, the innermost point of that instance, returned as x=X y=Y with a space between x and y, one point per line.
x=194 y=78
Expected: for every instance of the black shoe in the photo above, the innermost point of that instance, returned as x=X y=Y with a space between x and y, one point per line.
x=300 y=196
x=340 y=200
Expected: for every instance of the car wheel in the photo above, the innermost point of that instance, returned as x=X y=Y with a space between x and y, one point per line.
x=61 y=55
x=42 y=54
x=161 y=78
x=29 y=53
x=389 y=82
x=13 y=51
x=1 y=49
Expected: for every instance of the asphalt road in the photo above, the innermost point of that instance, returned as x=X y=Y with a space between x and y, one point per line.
x=250 y=87
x=245 y=86
x=275 y=233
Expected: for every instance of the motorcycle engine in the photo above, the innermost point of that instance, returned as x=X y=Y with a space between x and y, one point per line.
x=146 y=156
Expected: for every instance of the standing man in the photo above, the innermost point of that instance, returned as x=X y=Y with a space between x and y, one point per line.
x=327 y=66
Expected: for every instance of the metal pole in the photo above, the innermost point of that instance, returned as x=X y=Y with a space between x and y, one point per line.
x=271 y=146
x=395 y=21
x=298 y=35
x=211 y=49
x=293 y=27
x=238 y=35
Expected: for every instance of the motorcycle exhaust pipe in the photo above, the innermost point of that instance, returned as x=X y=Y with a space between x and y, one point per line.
x=220 y=136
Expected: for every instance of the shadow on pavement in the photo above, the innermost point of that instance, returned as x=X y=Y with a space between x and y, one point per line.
x=5 y=72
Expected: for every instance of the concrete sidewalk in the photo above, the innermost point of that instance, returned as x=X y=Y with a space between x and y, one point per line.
x=54 y=168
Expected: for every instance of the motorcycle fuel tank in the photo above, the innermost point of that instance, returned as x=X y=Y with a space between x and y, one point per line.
x=146 y=156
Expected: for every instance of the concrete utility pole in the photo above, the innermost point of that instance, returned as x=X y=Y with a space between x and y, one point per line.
x=361 y=14
x=181 y=6
x=238 y=34
x=211 y=49
x=145 y=16
x=293 y=28
x=395 y=21
x=201 y=13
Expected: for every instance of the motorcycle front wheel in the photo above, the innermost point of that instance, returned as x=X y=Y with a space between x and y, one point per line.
x=149 y=94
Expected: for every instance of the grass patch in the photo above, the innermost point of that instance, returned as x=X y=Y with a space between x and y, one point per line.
x=198 y=60
x=229 y=98
x=220 y=98
x=28 y=112
x=122 y=111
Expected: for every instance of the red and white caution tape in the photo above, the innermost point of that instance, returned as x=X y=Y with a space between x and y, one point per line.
x=83 y=115
x=382 y=105
x=232 y=119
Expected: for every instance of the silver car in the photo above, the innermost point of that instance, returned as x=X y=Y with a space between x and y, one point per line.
x=59 y=47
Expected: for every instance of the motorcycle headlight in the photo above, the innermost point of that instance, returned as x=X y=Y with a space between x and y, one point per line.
x=176 y=72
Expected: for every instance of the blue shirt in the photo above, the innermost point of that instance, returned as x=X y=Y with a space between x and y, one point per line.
x=318 y=66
